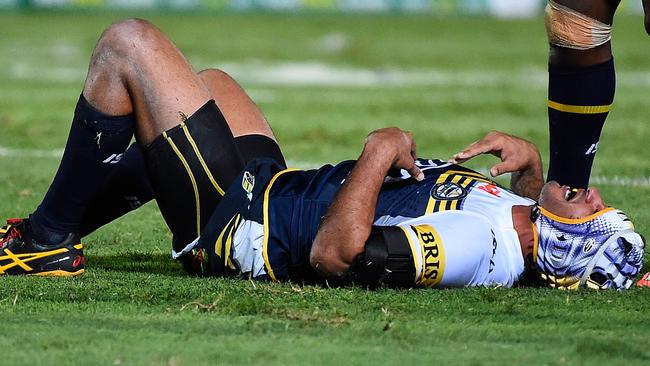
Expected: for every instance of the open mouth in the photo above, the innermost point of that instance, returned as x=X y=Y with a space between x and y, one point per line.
x=570 y=193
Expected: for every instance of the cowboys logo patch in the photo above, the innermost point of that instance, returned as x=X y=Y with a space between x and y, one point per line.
x=448 y=191
x=248 y=182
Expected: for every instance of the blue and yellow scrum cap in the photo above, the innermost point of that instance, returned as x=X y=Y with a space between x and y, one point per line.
x=598 y=251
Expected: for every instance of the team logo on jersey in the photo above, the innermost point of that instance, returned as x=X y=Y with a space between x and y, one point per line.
x=448 y=191
x=248 y=183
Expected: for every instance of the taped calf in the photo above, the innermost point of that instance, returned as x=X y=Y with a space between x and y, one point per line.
x=568 y=28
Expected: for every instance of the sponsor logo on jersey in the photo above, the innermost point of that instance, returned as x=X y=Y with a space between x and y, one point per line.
x=448 y=191
x=433 y=255
x=491 y=189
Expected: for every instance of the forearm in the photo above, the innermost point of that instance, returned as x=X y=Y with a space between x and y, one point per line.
x=528 y=183
x=347 y=223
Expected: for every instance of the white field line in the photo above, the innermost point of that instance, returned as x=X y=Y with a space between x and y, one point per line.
x=306 y=74
x=616 y=180
x=30 y=153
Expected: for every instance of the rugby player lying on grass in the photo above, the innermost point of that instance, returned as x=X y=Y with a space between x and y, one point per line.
x=220 y=181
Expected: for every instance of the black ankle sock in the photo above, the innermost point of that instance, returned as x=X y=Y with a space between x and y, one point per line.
x=95 y=145
x=579 y=101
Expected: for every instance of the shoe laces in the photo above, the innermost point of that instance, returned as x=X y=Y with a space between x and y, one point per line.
x=12 y=232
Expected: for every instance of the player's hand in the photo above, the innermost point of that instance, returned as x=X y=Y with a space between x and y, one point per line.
x=516 y=154
x=396 y=146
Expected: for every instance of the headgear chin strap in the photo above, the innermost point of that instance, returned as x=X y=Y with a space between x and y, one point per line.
x=599 y=251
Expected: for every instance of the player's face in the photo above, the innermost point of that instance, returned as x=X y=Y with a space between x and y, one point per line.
x=562 y=202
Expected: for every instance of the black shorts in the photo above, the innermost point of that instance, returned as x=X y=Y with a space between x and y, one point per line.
x=192 y=165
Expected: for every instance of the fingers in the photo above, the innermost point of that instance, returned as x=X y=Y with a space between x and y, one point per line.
x=409 y=162
x=491 y=143
x=399 y=146
x=506 y=166
x=416 y=173
x=499 y=169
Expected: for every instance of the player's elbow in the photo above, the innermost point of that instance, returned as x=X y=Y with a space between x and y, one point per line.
x=327 y=262
x=328 y=265
x=332 y=257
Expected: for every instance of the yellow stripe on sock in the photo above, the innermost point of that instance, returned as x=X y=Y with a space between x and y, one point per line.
x=579 y=109
x=189 y=172
x=200 y=157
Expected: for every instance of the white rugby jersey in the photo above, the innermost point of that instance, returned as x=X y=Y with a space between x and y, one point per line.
x=466 y=236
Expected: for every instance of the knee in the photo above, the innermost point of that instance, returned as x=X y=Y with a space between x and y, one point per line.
x=125 y=37
x=214 y=77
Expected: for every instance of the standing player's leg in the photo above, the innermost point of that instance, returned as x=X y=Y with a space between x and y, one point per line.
x=582 y=82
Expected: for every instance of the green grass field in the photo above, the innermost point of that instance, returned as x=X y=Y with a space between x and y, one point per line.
x=448 y=80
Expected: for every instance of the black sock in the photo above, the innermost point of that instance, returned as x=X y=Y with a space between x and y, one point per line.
x=95 y=144
x=190 y=167
x=126 y=188
x=579 y=101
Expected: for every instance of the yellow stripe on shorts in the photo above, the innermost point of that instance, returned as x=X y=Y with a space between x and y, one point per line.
x=265 y=241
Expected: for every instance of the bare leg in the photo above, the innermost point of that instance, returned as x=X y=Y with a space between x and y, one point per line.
x=243 y=116
x=136 y=69
x=253 y=135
